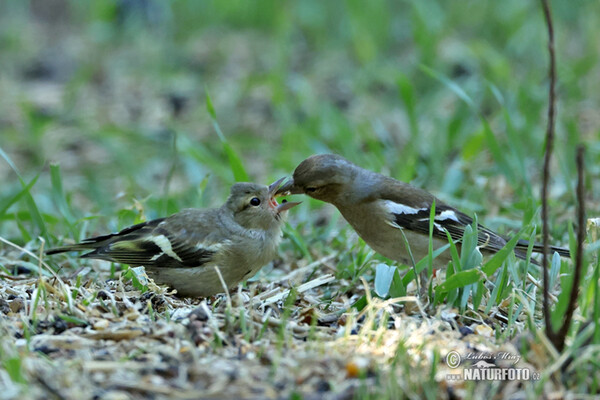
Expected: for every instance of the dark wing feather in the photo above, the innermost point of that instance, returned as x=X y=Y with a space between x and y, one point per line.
x=97 y=242
x=455 y=226
x=539 y=248
x=178 y=241
x=394 y=190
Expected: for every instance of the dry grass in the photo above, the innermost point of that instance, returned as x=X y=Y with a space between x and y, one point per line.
x=117 y=107
x=85 y=335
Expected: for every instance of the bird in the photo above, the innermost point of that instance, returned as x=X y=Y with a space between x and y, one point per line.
x=185 y=249
x=381 y=209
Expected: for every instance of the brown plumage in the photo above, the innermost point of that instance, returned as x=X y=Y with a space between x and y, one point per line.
x=183 y=250
x=378 y=206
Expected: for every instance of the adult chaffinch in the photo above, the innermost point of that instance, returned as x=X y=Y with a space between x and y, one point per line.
x=379 y=207
x=183 y=250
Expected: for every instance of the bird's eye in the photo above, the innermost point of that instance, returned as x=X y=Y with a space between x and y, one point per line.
x=311 y=189
x=255 y=201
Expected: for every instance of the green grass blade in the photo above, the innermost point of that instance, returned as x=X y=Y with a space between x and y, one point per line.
x=14 y=369
x=36 y=216
x=407 y=94
x=478 y=292
x=430 y=252
x=454 y=252
x=211 y=109
x=459 y=280
x=289 y=232
x=495 y=148
x=566 y=286
x=596 y=303
x=496 y=261
x=235 y=163
x=8 y=203
x=450 y=85
x=421 y=265
x=58 y=196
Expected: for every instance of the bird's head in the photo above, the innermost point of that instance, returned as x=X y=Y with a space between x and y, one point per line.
x=324 y=177
x=254 y=206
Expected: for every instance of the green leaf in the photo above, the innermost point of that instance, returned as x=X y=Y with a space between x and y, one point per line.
x=596 y=303
x=495 y=148
x=430 y=251
x=73 y=320
x=470 y=256
x=502 y=286
x=454 y=252
x=421 y=265
x=496 y=261
x=297 y=240
x=554 y=270
x=235 y=163
x=497 y=151
x=450 y=85
x=59 y=198
x=459 y=280
x=566 y=285
x=469 y=242
x=36 y=216
x=466 y=293
x=8 y=203
x=138 y=278
x=360 y=303
x=384 y=275
x=494 y=295
x=209 y=106
x=397 y=289
x=14 y=369
x=478 y=294
x=452 y=295
x=407 y=94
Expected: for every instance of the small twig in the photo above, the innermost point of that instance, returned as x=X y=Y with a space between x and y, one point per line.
x=546 y=173
x=562 y=333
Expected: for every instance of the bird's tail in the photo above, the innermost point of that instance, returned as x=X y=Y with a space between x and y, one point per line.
x=98 y=242
x=523 y=245
x=74 y=247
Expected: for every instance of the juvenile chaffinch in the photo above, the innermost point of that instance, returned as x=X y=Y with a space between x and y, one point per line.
x=182 y=250
x=378 y=207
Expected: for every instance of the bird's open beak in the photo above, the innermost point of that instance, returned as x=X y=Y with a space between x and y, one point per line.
x=286 y=205
x=275 y=190
x=288 y=188
x=274 y=186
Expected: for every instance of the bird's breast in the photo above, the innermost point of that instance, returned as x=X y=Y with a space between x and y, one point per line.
x=376 y=228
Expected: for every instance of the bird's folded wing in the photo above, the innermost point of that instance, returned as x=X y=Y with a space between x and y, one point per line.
x=447 y=219
x=177 y=241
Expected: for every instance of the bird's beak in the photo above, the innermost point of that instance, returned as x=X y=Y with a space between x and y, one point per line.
x=286 y=205
x=288 y=188
x=274 y=186
x=275 y=190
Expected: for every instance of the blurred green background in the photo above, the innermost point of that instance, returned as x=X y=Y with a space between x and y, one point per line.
x=106 y=102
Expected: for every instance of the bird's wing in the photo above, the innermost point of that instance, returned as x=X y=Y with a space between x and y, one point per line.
x=416 y=217
x=186 y=239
